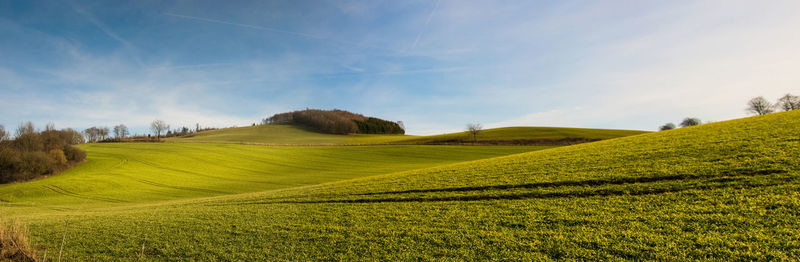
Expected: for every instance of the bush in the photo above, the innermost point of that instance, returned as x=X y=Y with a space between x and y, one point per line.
x=74 y=154
x=33 y=154
x=14 y=243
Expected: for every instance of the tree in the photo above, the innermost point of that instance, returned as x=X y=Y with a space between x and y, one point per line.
x=690 y=121
x=789 y=102
x=760 y=106
x=158 y=127
x=474 y=130
x=103 y=132
x=120 y=131
x=3 y=134
x=667 y=126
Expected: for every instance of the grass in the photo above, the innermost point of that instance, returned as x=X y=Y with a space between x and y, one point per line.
x=721 y=191
x=526 y=135
x=118 y=174
x=284 y=134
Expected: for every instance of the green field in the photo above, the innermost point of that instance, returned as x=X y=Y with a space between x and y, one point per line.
x=285 y=134
x=524 y=134
x=722 y=191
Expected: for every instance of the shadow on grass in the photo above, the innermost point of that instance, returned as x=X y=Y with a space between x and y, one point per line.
x=686 y=183
x=589 y=182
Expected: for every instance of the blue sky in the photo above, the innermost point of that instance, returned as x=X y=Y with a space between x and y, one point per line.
x=436 y=65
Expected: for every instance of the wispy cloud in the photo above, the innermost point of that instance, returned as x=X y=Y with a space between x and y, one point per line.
x=280 y=31
x=425 y=26
x=110 y=33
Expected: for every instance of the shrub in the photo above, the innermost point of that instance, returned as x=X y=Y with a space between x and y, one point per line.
x=14 y=243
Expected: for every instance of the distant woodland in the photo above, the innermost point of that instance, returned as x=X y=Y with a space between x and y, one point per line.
x=32 y=154
x=337 y=122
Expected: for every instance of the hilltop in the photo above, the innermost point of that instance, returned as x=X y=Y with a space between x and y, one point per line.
x=337 y=122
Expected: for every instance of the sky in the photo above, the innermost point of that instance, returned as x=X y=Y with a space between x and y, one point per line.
x=436 y=65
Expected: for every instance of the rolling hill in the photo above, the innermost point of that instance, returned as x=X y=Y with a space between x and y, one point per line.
x=525 y=135
x=287 y=134
x=719 y=191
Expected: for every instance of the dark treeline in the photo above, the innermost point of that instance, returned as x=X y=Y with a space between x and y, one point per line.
x=33 y=153
x=337 y=122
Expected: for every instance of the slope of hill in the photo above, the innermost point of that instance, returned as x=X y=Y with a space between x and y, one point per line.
x=285 y=134
x=526 y=135
x=119 y=174
x=720 y=191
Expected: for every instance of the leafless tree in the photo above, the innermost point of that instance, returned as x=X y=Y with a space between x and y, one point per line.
x=50 y=127
x=92 y=134
x=158 y=127
x=789 y=102
x=760 y=106
x=690 y=121
x=120 y=131
x=474 y=130
x=103 y=132
x=3 y=134
x=25 y=129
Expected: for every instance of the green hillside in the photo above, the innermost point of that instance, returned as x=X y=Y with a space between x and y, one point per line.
x=285 y=134
x=720 y=191
x=526 y=135
x=129 y=173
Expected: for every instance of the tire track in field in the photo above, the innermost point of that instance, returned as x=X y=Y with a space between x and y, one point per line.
x=156 y=184
x=157 y=166
x=65 y=192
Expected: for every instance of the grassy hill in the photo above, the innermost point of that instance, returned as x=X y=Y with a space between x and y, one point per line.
x=129 y=173
x=720 y=191
x=526 y=135
x=285 y=134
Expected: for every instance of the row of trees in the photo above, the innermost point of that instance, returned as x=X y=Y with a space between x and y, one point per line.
x=689 y=121
x=757 y=106
x=100 y=134
x=337 y=122
x=32 y=153
x=762 y=106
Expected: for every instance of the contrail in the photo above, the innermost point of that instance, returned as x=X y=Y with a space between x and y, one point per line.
x=433 y=11
x=317 y=37
x=245 y=25
x=107 y=30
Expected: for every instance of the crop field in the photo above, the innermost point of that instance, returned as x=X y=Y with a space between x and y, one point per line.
x=522 y=134
x=283 y=134
x=721 y=191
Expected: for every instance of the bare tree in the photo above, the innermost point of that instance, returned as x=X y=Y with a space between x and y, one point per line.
x=120 y=131
x=760 y=106
x=3 y=134
x=667 y=126
x=789 y=102
x=474 y=130
x=103 y=132
x=158 y=127
x=25 y=129
x=690 y=121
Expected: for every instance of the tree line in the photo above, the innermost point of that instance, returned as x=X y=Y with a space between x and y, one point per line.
x=33 y=153
x=337 y=122
x=757 y=106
